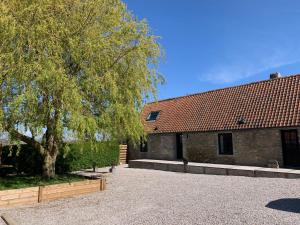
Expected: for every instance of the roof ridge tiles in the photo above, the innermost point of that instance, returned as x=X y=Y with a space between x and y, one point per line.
x=224 y=88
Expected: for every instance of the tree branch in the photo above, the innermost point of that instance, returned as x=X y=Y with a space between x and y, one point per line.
x=85 y=23
x=117 y=60
x=30 y=141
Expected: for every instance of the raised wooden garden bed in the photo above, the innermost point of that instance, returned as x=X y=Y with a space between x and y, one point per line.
x=26 y=196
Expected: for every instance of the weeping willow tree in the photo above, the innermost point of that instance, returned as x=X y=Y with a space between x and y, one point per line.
x=82 y=67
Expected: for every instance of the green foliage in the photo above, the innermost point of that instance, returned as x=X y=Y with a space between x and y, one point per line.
x=15 y=182
x=83 y=156
x=23 y=159
x=81 y=66
x=76 y=156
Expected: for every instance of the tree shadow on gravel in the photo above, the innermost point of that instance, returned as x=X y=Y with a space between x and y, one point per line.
x=285 y=204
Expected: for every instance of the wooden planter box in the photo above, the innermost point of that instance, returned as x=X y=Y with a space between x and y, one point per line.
x=26 y=196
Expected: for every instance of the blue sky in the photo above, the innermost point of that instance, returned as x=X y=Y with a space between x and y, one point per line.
x=212 y=44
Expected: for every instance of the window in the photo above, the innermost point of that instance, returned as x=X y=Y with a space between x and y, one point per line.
x=225 y=144
x=152 y=116
x=143 y=145
x=291 y=137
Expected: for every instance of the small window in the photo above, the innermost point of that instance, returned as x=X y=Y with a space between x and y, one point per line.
x=225 y=144
x=153 y=116
x=143 y=145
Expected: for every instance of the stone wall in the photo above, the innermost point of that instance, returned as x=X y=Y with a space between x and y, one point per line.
x=253 y=147
x=160 y=146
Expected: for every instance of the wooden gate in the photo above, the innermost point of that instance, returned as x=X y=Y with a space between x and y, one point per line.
x=123 y=154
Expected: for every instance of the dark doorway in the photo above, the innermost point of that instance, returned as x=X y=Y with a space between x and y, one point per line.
x=179 y=145
x=290 y=148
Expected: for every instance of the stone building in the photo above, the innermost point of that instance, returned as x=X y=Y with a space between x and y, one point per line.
x=250 y=124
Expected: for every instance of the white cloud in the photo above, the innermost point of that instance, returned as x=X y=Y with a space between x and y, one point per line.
x=232 y=73
x=251 y=63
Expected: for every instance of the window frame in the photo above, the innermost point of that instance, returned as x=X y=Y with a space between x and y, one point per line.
x=149 y=116
x=231 y=153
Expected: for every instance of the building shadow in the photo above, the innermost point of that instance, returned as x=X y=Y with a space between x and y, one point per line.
x=285 y=204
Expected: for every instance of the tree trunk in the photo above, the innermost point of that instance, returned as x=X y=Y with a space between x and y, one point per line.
x=49 y=166
x=50 y=154
x=48 y=151
x=0 y=154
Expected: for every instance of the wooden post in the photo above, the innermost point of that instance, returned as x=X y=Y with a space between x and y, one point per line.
x=103 y=184
x=40 y=194
x=100 y=184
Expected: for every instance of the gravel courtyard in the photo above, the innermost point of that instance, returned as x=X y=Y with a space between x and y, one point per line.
x=136 y=196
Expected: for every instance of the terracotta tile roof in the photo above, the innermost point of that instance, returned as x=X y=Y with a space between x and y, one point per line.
x=264 y=104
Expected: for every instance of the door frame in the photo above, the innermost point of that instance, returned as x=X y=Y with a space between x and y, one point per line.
x=284 y=152
x=179 y=145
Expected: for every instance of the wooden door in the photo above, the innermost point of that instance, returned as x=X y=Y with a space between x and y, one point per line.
x=179 y=145
x=290 y=148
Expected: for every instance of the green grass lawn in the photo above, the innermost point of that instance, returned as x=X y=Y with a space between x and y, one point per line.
x=15 y=182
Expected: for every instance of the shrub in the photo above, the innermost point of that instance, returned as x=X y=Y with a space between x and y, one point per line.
x=24 y=159
x=74 y=157
x=83 y=156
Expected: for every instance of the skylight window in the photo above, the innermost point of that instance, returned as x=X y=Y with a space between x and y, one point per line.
x=153 y=116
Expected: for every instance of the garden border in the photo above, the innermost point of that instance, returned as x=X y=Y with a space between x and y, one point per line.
x=33 y=195
x=214 y=169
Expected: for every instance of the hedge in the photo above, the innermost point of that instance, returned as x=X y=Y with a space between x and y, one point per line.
x=73 y=157
x=23 y=159
x=83 y=156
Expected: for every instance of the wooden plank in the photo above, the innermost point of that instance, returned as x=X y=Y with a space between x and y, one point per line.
x=8 y=219
x=22 y=201
x=123 y=154
x=46 y=193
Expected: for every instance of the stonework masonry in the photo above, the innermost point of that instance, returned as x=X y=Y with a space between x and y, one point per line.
x=252 y=147
x=160 y=146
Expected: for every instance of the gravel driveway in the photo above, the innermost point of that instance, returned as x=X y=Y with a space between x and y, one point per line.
x=136 y=196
